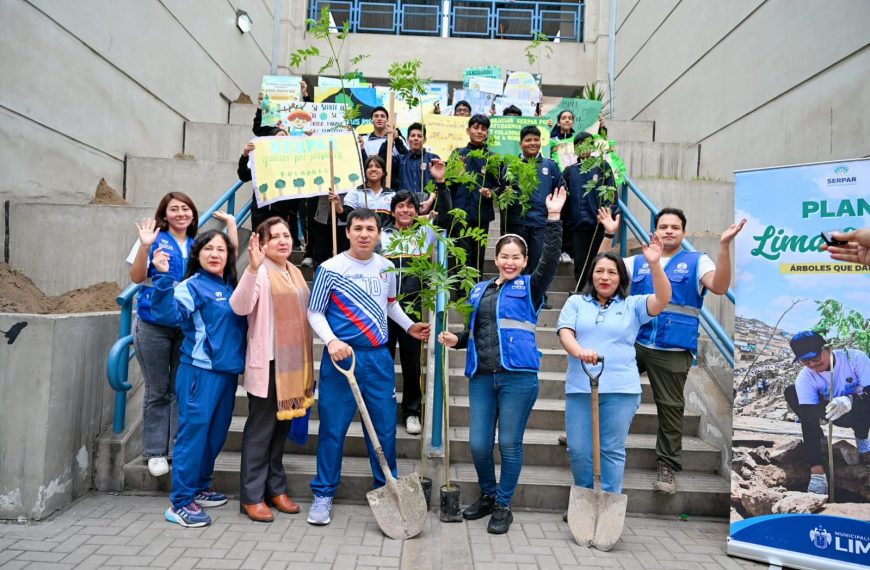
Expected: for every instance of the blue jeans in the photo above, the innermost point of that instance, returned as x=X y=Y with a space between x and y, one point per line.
x=158 y=350
x=615 y=414
x=506 y=398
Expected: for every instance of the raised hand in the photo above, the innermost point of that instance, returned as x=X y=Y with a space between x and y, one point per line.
x=227 y=219
x=438 y=169
x=556 y=201
x=248 y=148
x=732 y=231
x=610 y=225
x=448 y=339
x=160 y=261
x=857 y=250
x=256 y=255
x=653 y=252
x=148 y=231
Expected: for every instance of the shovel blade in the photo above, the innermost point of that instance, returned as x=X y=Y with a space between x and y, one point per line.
x=596 y=518
x=400 y=509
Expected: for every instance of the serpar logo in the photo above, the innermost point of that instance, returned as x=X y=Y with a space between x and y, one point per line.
x=682 y=267
x=820 y=537
x=841 y=177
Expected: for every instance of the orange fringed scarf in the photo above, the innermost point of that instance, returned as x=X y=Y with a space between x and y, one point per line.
x=294 y=360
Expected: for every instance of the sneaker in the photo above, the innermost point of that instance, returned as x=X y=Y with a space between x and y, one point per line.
x=565 y=258
x=191 y=516
x=818 y=484
x=210 y=498
x=479 y=509
x=307 y=262
x=158 y=466
x=563 y=440
x=546 y=306
x=412 y=425
x=320 y=511
x=500 y=521
x=666 y=479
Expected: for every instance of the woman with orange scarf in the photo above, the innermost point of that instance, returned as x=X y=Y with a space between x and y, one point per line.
x=279 y=369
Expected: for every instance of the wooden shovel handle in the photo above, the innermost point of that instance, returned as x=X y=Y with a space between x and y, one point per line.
x=596 y=434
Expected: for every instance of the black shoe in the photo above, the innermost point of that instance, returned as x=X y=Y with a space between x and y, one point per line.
x=500 y=521
x=546 y=306
x=565 y=516
x=481 y=507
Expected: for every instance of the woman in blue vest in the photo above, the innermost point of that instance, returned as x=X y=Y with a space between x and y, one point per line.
x=212 y=357
x=604 y=320
x=158 y=347
x=503 y=361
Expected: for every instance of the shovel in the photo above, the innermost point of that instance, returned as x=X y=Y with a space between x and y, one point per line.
x=594 y=517
x=399 y=506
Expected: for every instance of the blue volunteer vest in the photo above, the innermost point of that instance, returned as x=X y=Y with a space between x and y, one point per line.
x=177 y=267
x=516 y=326
x=677 y=325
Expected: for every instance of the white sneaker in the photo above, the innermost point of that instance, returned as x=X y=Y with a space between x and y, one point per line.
x=307 y=262
x=412 y=425
x=565 y=258
x=818 y=484
x=158 y=466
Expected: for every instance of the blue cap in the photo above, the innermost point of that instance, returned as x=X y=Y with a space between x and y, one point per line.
x=806 y=345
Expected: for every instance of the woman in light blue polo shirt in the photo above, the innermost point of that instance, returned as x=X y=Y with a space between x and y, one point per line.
x=604 y=321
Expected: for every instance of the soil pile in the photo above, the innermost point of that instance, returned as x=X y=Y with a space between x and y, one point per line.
x=107 y=196
x=18 y=294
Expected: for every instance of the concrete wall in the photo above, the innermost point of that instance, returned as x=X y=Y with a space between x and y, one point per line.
x=55 y=401
x=756 y=83
x=64 y=247
x=86 y=83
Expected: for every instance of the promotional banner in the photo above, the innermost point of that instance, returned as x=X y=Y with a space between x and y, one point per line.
x=278 y=92
x=504 y=134
x=365 y=99
x=493 y=71
x=586 y=112
x=314 y=118
x=524 y=86
x=445 y=133
x=286 y=168
x=800 y=486
x=481 y=103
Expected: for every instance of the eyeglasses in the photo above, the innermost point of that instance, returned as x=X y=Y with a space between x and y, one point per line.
x=601 y=313
x=811 y=361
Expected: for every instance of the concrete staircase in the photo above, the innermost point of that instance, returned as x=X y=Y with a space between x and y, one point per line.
x=207 y=168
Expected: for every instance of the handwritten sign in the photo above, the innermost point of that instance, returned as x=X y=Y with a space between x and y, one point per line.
x=288 y=168
x=278 y=92
x=486 y=84
x=504 y=134
x=563 y=153
x=445 y=133
x=493 y=71
x=314 y=118
x=480 y=102
x=585 y=111
x=527 y=107
x=365 y=99
x=522 y=85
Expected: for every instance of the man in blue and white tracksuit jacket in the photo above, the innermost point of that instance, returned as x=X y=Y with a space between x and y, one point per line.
x=353 y=295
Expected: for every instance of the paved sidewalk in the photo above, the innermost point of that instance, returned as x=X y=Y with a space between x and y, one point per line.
x=124 y=531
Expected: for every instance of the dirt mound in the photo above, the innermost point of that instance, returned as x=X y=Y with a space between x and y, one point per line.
x=107 y=196
x=243 y=99
x=18 y=294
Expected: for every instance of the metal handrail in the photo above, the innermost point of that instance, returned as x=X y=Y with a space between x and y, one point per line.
x=519 y=19
x=118 y=359
x=711 y=325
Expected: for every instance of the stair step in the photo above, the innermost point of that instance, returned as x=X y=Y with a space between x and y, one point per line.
x=623 y=131
x=550 y=414
x=552 y=359
x=243 y=114
x=541 y=446
x=540 y=487
x=215 y=141
x=147 y=180
x=660 y=160
x=547 y=318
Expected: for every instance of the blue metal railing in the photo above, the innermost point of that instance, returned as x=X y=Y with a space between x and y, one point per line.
x=719 y=336
x=518 y=19
x=118 y=360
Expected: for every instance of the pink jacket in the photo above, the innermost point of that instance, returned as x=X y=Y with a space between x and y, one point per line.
x=252 y=298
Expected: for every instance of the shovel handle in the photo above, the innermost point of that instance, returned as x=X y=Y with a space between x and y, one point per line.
x=366 y=419
x=596 y=433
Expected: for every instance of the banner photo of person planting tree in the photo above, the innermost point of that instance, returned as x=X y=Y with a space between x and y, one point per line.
x=800 y=479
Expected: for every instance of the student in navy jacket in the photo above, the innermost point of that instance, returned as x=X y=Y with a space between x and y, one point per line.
x=502 y=364
x=212 y=357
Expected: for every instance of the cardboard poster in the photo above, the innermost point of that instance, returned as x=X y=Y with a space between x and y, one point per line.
x=493 y=71
x=481 y=103
x=486 y=84
x=324 y=81
x=365 y=99
x=796 y=307
x=406 y=115
x=524 y=86
x=563 y=153
x=445 y=133
x=314 y=118
x=586 y=112
x=287 y=168
x=504 y=134
x=278 y=92
x=527 y=107
x=442 y=92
